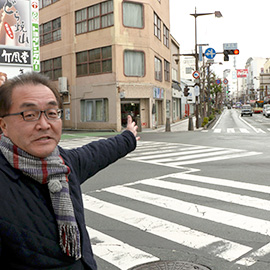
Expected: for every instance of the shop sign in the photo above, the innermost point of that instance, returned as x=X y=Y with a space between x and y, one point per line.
x=158 y=93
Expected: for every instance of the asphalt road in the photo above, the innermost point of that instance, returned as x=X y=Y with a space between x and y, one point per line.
x=199 y=196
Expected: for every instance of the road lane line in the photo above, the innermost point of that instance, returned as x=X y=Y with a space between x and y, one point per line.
x=117 y=252
x=183 y=235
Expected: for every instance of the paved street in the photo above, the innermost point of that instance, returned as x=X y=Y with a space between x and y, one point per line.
x=173 y=207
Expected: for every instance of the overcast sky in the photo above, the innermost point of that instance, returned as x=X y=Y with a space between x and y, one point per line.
x=244 y=22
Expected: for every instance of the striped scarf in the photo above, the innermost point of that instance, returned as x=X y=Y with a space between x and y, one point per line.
x=52 y=171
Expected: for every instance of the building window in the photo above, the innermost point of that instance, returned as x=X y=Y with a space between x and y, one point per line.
x=133 y=15
x=45 y=3
x=94 y=61
x=52 y=68
x=166 y=36
x=134 y=63
x=94 y=17
x=158 y=69
x=157 y=26
x=50 y=31
x=94 y=110
x=166 y=71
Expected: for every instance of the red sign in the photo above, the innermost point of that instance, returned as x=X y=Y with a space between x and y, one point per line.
x=242 y=73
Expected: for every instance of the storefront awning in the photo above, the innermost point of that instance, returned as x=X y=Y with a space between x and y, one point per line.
x=176 y=86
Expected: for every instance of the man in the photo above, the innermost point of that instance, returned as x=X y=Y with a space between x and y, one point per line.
x=3 y=77
x=42 y=222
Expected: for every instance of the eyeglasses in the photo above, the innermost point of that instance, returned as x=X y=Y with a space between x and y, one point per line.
x=34 y=115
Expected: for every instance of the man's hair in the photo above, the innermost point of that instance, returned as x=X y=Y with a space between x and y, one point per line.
x=29 y=78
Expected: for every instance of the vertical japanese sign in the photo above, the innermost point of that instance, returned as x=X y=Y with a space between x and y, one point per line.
x=19 y=36
x=35 y=35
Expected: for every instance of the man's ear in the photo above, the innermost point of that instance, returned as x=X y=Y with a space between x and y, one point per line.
x=3 y=126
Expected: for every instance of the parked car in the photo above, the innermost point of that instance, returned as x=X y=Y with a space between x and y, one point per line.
x=266 y=110
x=246 y=110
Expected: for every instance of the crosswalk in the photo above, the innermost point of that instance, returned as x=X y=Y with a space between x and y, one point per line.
x=164 y=208
x=237 y=130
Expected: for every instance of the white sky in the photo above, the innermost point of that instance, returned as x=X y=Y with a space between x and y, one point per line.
x=244 y=22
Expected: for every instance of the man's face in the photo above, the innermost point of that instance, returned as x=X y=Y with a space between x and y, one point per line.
x=38 y=138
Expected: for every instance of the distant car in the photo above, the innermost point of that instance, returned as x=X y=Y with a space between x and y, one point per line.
x=257 y=109
x=266 y=110
x=246 y=110
x=229 y=106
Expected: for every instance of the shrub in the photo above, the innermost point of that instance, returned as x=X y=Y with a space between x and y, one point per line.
x=205 y=121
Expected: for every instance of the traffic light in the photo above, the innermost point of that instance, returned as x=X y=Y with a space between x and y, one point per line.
x=186 y=89
x=228 y=52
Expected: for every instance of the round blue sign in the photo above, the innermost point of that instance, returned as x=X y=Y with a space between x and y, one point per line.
x=210 y=53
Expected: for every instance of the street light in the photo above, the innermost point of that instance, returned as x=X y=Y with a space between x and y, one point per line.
x=195 y=15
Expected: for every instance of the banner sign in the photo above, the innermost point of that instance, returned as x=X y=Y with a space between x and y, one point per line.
x=19 y=36
x=242 y=73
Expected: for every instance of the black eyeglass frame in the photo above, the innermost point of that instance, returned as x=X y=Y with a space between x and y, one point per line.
x=58 y=111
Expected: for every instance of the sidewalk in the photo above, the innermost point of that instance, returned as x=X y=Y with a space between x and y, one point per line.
x=182 y=125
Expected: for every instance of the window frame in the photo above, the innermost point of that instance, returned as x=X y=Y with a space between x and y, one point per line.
x=50 y=33
x=157 y=26
x=94 y=112
x=51 y=72
x=101 y=17
x=158 y=73
x=92 y=60
x=142 y=64
x=142 y=13
x=166 y=36
x=167 y=67
x=49 y=2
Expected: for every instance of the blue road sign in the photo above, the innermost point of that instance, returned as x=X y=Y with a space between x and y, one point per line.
x=210 y=53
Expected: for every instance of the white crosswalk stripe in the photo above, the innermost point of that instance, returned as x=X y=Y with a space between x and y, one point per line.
x=178 y=155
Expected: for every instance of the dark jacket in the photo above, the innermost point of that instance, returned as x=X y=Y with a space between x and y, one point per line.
x=29 y=236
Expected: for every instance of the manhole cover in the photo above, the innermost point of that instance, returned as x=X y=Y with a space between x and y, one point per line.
x=170 y=265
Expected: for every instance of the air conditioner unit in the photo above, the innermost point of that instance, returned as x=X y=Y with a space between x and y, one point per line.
x=62 y=85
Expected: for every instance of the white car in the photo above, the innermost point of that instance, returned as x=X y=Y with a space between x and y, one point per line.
x=266 y=110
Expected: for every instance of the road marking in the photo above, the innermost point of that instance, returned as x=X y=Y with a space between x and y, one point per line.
x=209 y=193
x=183 y=235
x=204 y=212
x=220 y=182
x=259 y=130
x=117 y=252
x=255 y=256
x=217 y=130
x=230 y=130
x=244 y=130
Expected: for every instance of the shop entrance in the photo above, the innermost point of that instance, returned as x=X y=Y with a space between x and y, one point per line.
x=129 y=108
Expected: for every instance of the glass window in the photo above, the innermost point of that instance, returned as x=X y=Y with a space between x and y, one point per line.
x=134 y=63
x=50 y=31
x=94 y=61
x=166 y=35
x=95 y=110
x=133 y=15
x=157 y=26
x=44 y=3
x=158 y=73
x=52 y=68
x=94 y=17
x=166 y=71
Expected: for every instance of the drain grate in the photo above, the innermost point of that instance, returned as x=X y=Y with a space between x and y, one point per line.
x=170 y=265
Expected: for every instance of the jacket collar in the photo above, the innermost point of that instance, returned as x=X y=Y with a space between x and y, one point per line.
x=6 y=168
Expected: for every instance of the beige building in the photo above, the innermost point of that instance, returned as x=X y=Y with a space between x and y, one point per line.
x=110 y=58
